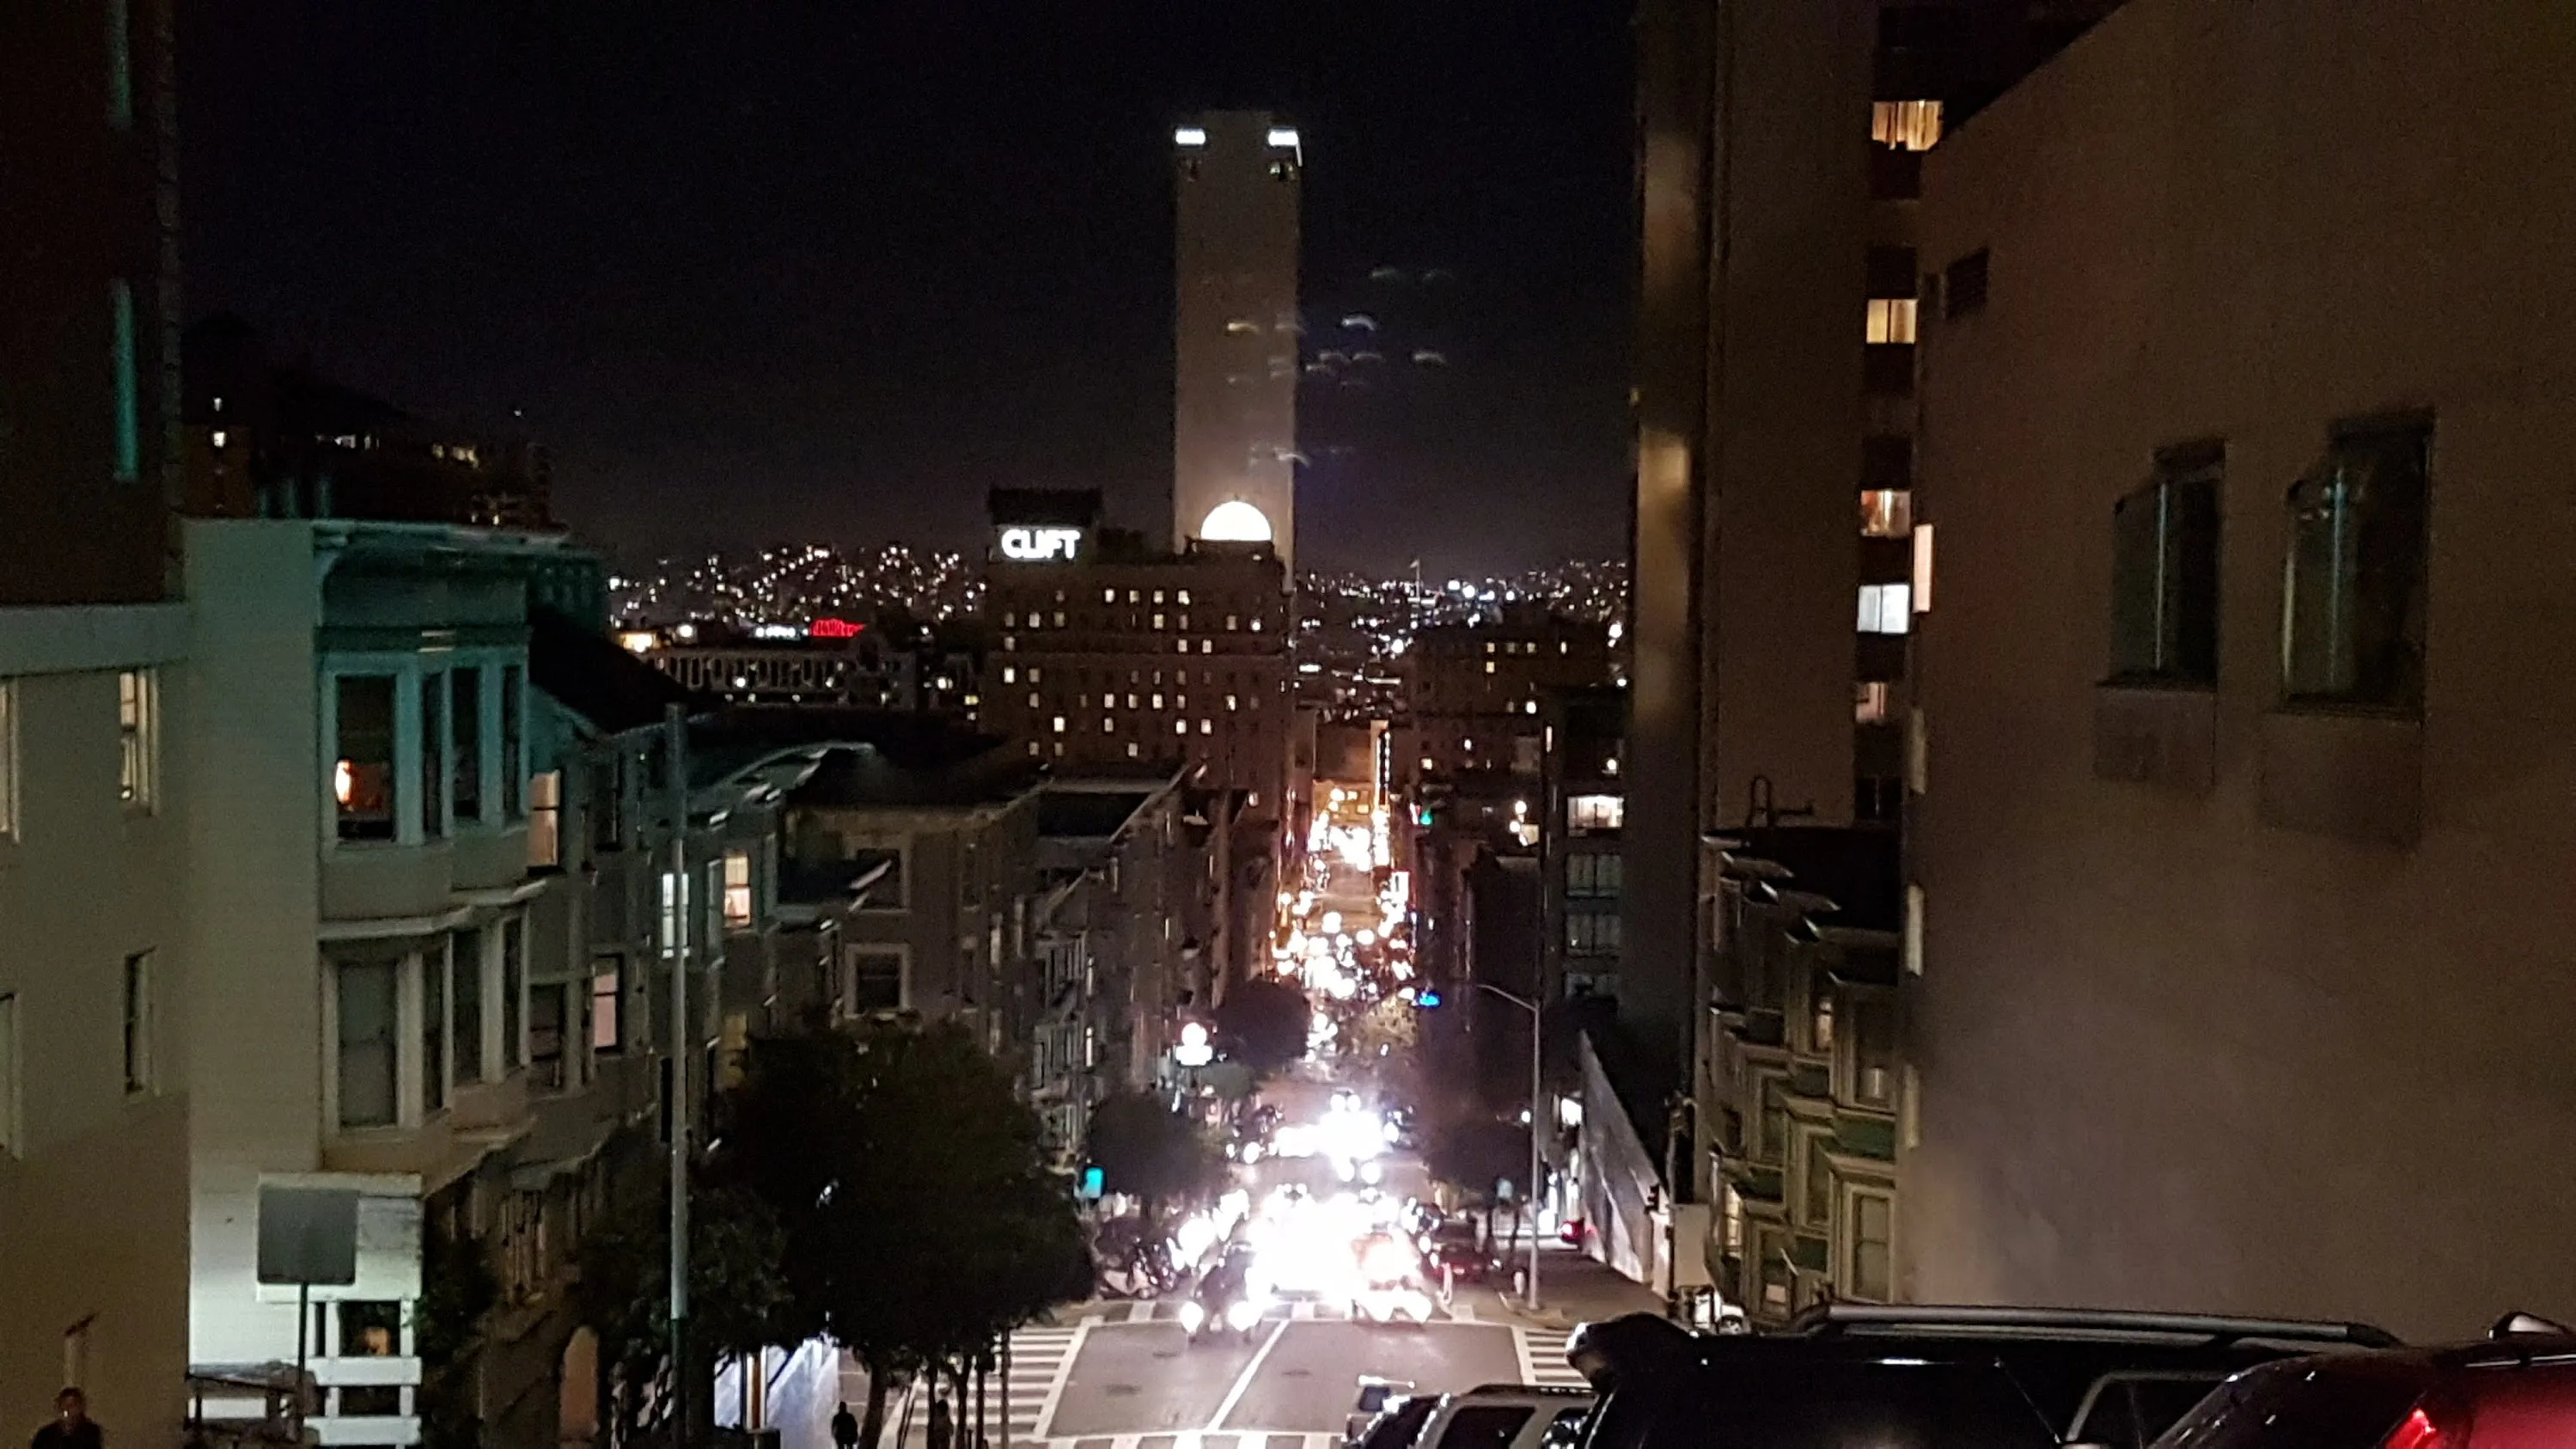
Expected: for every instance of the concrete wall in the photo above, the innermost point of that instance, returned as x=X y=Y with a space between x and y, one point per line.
x=1754 y=198
x=2174 y=1054
x=93 y=1193
x=253 y=895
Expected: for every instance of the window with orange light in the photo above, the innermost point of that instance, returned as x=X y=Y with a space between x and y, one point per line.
x=362 y=773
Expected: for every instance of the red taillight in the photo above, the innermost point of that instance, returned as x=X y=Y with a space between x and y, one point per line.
x=2421 y=1430
x=2418 y=1432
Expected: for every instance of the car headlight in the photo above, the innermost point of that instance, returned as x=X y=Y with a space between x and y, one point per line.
x=1241 y=1314
x=1192 y=1316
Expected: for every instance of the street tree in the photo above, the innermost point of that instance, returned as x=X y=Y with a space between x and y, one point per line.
x=1264 y=1022
x=921 y=1221
x=739 y=1302
x=1149 y=1151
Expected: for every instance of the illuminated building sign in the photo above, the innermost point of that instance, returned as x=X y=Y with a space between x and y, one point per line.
x=830 y=628
x=1024 y=544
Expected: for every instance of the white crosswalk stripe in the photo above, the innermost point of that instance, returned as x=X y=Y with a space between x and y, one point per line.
x=1542 y=1357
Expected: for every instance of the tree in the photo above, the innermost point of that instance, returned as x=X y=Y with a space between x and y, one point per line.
x=1149 y=1151
x=1265 y=1022
x=920 y=1220
x=738 y=1297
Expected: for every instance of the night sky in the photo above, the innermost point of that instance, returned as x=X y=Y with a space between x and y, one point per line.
x=769 y=271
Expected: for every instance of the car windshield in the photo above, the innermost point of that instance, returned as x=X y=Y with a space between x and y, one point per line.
x=2299 y=1404
x=1400 y=1426
x=1834 y=1405
x=1483 y=1426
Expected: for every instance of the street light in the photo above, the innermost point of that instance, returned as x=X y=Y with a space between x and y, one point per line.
x=1530 y=1196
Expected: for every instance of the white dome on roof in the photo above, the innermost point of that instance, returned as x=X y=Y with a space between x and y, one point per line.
x=1235 y=521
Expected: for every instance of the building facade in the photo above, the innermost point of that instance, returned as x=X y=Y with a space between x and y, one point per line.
x=2244 y=969
x=1477 y=689
x=94 y=955
x=1582 y=822
x=1237 y=176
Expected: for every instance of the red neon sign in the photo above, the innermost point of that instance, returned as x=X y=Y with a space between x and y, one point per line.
x=831 y=628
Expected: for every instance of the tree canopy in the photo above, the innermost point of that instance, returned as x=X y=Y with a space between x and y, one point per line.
x=1264 y=1022
x=1147 y=1150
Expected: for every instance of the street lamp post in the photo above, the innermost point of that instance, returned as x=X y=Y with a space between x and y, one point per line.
x=1529 y=1196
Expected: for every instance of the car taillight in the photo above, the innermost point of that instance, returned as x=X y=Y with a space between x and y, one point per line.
x=2423 y=1429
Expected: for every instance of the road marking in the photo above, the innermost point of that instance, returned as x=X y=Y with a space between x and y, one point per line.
x=1125 y=1441
x=1542 y=1358
x=1140 y=1311
x=1063 y=1374
x=1243 y=1384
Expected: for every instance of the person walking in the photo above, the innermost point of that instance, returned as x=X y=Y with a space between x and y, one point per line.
x=940 y=1422
x=72 y=1427
x=845 y=1427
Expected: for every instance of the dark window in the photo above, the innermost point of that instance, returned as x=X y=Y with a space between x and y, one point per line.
x=514 y=988
x=2164 y=575
x=368 y=1401
x=1873 y=1047
x=1589 y=933
x=1484 y=1426
x=510 y=730
x=2353 y=610
x=548 y=1031
x=887 y=893
x=127 y=397
x=434 y=971
x=367 y=1055
x=1592 y=875
x=433 y=756
x=120 y=64
x=363 y=777
x=370 y=1330
x=468 y=954
x=1963 y=285
x=608 y=804
x=466 y=695
x=876 y=981
x=2296 y=1405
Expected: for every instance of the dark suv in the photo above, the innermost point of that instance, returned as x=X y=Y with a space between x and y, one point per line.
x=2516 y=1390
x=1852 y=1377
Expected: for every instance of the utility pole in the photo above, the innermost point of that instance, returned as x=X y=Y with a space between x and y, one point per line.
x=675 y=744
x=1529 y=1197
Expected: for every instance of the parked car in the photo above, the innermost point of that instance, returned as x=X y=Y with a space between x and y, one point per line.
x=2516 y=1389
x=1503 y=1416
x=1397 y=1426
x=1995 y=1378
x=1460 y=1258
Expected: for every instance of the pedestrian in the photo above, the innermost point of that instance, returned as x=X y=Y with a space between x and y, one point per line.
x=938 y=1423
x=72 y=1427
x=845 y=1427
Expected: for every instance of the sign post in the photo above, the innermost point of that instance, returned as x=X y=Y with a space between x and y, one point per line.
x=307 y=1235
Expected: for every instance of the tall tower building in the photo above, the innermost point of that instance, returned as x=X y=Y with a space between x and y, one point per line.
x=1237 y=176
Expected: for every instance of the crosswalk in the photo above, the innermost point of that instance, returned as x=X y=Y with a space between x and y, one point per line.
x=1542 y=1356
x=1297 y=1310
x=1041 y=1360
x=1222 y=1439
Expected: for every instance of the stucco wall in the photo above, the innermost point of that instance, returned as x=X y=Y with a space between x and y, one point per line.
x=2171 y=1054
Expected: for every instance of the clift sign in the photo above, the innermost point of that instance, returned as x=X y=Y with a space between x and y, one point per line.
x=1023 y=544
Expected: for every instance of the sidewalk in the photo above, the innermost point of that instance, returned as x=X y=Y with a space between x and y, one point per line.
x=1572 y=1289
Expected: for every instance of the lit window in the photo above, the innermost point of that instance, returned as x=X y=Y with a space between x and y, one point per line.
x=1059 y=618
x=737 y=888
x=1207 y=727
x=1230 y=702
x=1891 y=319
x=1923 y=568
x=1009 y=643
x=1489 y=666
x=1256 y=623
x=1010 y=675
x=1033 y=674
x=1886 y=513
x=138 y=749
x=1180 y=726
x=1283 y=136
x=1885 y=608
x=1181 y=645
x=545 y=820
x=1158 y=621
x=1158 y=701
x=1906 y=125
x=1207 y=646
x=1059 y=724
x=607 y=1007
x=1033 y=699
x=1869 y=702
x=1182 y=597
x=1587 y=813
x=1108 y=725
x=1131 y=749
x=1158 y=596
x=1233 y=621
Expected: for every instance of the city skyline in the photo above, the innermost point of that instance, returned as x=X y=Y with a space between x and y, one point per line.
x=908 y=325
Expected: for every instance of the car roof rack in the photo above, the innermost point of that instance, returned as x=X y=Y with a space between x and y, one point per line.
x=1827 y=1319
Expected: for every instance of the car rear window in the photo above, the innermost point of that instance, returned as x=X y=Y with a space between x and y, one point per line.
x=2300 y=1404
x=1483 y=1426
x=1857 y=1405
x=2129 y=1411
x=1398 y=1430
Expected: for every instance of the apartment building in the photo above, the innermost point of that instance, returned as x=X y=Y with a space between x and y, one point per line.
x=1581 y=822
x=1476 y=690
x=94 y=956
x=2244 y=976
